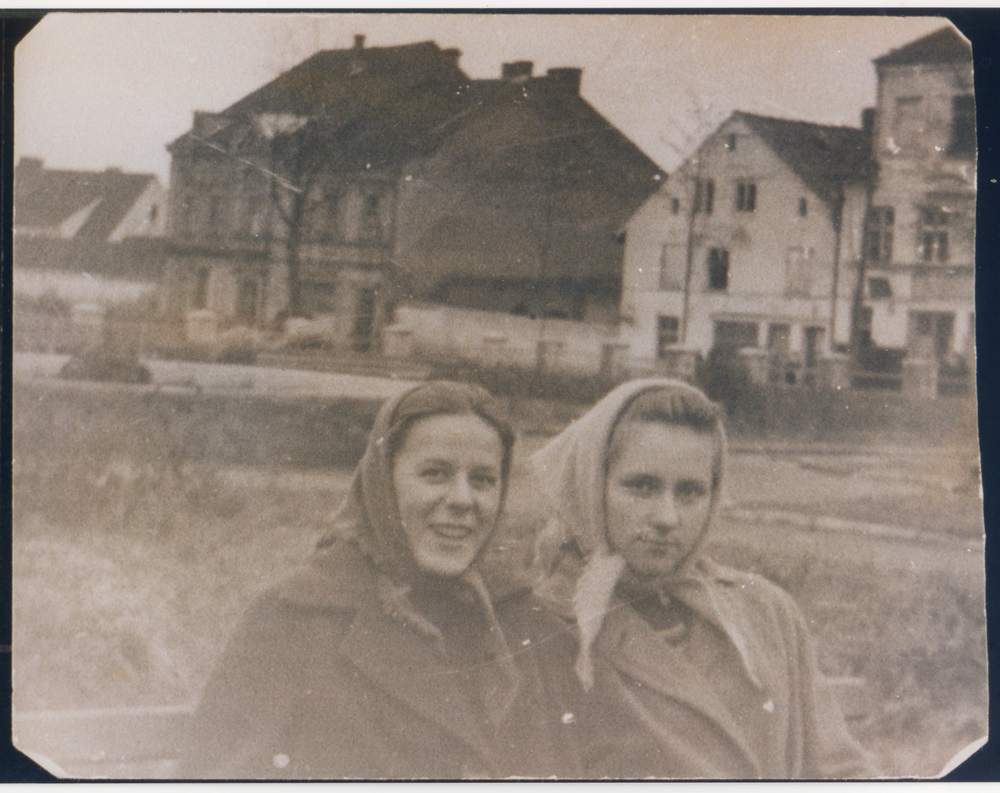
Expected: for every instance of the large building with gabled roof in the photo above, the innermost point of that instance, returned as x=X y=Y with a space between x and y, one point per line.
x=751 y=245
x=372 y=177
x=916 y=318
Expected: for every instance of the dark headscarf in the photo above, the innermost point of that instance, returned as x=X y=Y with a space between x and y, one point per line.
x=456 y=613
x=369 y=516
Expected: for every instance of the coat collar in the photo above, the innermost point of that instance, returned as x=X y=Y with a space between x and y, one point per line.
x=404 y=663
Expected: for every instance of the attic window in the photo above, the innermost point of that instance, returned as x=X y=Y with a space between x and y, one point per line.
x=803 y=207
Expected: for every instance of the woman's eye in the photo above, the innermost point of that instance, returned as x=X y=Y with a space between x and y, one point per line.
x=642 y=485
x=436 y=474
x=690 y=491
x=484 y=481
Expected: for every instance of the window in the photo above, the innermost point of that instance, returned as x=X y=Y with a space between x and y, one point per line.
x=718 y=270
x=675 y=206
x=200 y=297
x=215 y=216
x=803 y=207
x=878 y=235
x=933 y=234
x=908 y=123
x=731 y=143
x=746 y=196
x=667 y=334
x=963 y=126
x=672 y=268
x=704 y=195
x=799 y=272
x=154 y=212
x=328 y=215
x=879 y=288
x=371 y=221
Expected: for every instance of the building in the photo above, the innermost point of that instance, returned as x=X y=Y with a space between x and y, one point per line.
x=917 y=306
x=751 y=245
x=372 y=177
x=106 y=223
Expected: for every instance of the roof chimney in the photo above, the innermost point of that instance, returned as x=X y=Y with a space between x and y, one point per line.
x=517 y=71
x=565 y=79
x=868 y=118
x=359 y=41
x=30 y=164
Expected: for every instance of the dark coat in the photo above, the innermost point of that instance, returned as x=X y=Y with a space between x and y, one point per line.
x=320 y=682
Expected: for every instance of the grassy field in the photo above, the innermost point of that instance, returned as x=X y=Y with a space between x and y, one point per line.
x=128 y=575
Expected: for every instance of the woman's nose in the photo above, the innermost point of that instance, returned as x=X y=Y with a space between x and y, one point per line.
x=460 y=493
x=664 y=515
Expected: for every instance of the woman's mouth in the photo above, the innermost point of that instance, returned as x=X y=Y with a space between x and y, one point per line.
x=453 y=531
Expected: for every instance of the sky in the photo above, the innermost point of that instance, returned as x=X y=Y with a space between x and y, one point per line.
x=93 y=91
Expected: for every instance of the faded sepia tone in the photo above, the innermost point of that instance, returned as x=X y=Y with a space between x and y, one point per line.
x=341 y=206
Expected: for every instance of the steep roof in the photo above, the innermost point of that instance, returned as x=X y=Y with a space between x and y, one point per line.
x=541 y=127
x=373 y=107
x=822 y=156
x=46 y=198
x=370 y=75
x=942 y=46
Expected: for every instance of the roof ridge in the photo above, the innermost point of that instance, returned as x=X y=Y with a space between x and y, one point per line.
x=797 y=121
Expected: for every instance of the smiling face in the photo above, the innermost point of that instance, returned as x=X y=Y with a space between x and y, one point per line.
x=447 y=478
x=659 y=494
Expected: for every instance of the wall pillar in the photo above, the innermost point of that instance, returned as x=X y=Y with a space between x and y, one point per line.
x=88 y=326
x=757 y=363
x=835 y=371
x=920 y=377
x=398 y=342
x=202 y=327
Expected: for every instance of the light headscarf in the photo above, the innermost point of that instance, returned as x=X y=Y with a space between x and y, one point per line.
x=575 y=568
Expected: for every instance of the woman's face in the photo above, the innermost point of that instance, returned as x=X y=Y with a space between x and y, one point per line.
x=447 y=477
x=659 y=494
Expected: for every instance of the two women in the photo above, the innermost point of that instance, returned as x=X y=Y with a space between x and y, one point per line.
x=387 y=656
x=693 y=670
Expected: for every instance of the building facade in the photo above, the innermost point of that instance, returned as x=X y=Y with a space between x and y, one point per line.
x=373 y=177
x=751 y=245
x=917 y=307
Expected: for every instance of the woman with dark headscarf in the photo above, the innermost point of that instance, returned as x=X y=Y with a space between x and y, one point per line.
x=693 y=670
x=387 y=656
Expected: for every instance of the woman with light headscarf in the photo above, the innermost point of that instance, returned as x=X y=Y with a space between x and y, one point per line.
x=388 y=656
x=693 y=670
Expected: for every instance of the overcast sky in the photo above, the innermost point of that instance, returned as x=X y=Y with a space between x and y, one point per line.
x=100 y=90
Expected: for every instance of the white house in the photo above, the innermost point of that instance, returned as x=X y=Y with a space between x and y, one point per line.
x=752 y=244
